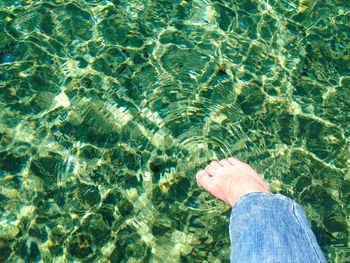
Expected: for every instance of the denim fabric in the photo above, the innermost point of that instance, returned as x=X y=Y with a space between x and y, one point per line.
x=271 y=228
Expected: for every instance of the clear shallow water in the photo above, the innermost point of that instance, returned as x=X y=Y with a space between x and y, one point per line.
x=108 y=108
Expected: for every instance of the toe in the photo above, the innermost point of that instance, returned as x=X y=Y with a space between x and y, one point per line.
x=225 y=162
x=215 y=164
x=234 y=161
x=210 y=170
x=245 y=166
x=203 y=179
x=199 y=174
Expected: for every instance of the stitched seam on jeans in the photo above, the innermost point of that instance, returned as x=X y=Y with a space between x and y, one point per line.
x=240 y=225
x=241 y=228
x=307 y=233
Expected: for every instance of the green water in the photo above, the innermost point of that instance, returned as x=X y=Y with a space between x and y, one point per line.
x=108 y=109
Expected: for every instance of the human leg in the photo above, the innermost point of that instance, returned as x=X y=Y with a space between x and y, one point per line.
x=264 y=227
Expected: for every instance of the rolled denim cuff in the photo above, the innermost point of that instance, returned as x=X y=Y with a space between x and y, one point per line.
x=267 y=227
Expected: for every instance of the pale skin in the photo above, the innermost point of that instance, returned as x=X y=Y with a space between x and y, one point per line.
x=229 y=179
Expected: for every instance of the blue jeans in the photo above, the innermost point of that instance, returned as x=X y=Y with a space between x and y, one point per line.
x=271 y=228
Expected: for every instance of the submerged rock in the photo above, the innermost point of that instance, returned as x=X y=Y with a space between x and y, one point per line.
x=8 y=231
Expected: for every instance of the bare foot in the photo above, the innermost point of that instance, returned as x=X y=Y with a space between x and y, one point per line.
x=230 y=179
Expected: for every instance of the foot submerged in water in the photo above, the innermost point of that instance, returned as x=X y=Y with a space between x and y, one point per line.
x=229 y=179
